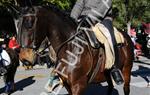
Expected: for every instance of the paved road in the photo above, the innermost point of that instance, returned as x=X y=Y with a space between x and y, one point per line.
x=32 y=82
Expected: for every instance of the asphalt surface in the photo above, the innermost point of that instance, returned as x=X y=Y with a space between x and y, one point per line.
x=32 y=82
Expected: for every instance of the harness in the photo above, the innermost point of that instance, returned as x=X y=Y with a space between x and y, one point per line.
x=33 y=27
x=91 y=73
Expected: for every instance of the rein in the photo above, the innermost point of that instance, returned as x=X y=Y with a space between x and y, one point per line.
x=78 y=32
x=60 y=46
x=39 y=52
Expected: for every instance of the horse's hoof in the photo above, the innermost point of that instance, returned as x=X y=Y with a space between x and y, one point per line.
x=49 y=89
x=25 y=67
x=30 y=67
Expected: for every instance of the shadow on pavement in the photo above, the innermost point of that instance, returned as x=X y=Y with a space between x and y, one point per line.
x=21 y=84
x=142 y=62
x=143 y=72
x=95 y=89
x=24 y=83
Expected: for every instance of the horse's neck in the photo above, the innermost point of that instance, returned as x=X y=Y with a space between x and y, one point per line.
x=58 y=39
x=61 y=29
x=61 y=36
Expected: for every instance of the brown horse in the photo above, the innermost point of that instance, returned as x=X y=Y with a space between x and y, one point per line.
x=10 y=72
x=77 y=61
x=7 y=26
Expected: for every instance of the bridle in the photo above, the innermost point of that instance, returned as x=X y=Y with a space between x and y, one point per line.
x=32 y=14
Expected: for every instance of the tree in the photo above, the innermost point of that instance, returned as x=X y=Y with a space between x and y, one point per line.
x=137 y=11
x=63 y=4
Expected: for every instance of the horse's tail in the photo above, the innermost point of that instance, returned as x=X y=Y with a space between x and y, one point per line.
x=129 y=43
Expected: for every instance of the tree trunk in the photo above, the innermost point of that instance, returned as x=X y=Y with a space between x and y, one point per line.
x=129 y=27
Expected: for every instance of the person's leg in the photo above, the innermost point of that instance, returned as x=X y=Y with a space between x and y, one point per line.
x=115 y=73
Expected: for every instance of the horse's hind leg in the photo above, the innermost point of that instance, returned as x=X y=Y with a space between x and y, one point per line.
x=9 y=80
x=78 y=87
x=109 y=81
x=127 y=78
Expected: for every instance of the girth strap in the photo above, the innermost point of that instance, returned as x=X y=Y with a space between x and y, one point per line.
x=97 y=67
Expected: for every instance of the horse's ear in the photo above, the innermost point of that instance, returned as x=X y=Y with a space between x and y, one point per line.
x=13 y=10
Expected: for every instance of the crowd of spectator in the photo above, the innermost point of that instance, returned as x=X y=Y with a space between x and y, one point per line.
x=138 y=35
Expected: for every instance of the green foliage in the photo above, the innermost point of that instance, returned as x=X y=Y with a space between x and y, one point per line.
x=135 y=11
x=2 y=2
x=120 y=21
x=63 y=4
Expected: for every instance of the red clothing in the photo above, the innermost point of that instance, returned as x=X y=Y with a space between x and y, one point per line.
x=13 y=44
x=138 y=46
x=133 y=32
x=147 y=27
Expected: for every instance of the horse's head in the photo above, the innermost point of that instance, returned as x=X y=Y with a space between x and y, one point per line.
x=40 y=22
x=32 y=27
x=27 y=27
x=29 y=17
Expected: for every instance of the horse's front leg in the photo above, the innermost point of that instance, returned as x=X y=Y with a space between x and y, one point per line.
x=78 y=87
x=9 y=81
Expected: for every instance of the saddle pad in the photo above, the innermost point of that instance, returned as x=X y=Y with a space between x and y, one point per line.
x=103 y=35
x=119 y=37
x=6 y=58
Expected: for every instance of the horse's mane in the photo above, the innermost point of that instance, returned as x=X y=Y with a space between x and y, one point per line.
x=6 y=21
x=65 y=15
x=4 y=12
